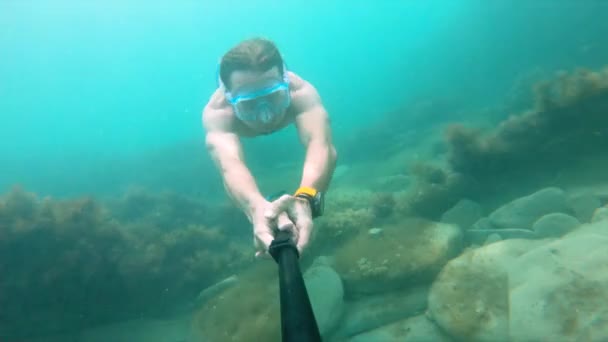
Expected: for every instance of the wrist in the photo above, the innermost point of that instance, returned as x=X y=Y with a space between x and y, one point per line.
x=315 y=199
x=250 y=204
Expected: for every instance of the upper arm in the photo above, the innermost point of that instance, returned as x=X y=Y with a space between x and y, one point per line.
x=312 y=120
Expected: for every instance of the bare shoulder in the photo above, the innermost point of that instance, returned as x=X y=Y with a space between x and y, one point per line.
x=217 y=115
x=304 y=95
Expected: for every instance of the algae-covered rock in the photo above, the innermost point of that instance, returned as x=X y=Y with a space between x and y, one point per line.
x=409 y=252
x=250 y=309
x=469 y=298
x=413 y=329
x=524 y=290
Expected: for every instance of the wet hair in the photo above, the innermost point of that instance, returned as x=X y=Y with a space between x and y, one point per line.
x=256 y=54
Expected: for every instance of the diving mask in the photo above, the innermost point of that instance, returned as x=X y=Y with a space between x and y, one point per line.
x=261 y=105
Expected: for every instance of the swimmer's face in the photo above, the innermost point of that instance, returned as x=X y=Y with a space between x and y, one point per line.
x=260 y=99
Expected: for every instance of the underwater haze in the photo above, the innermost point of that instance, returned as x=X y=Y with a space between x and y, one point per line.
x=469 y=201
x=99 y=84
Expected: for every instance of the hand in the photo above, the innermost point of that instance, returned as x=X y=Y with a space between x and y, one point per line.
x=300 y=214
x=267 y=218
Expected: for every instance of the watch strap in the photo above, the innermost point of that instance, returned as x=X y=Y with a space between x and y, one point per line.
x=306 y=191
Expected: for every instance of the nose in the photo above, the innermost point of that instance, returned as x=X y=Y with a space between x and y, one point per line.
x=265 y=113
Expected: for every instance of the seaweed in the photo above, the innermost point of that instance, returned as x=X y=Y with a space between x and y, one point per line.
x=567 y=125
x=71 y=263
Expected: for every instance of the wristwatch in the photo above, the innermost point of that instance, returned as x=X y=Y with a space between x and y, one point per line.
x=315 y=198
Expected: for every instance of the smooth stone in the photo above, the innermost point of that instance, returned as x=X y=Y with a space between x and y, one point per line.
x=584 y=205
x=493 y=238
x=414 y=329
x=326 y=294
x=524 y=211
x=214 y=289
x=555 y=225
x=600 y=214
x=375 y=311
x=479 y=236
x=464 y=214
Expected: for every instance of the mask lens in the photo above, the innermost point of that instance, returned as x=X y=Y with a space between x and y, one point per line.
x=258 y=107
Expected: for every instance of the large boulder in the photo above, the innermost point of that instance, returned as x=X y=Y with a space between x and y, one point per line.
x=527 y=290
x=555 y=225
x=372 y=312
x=522 y=212
x=250 y=310
x=326 y=294
x=464 y=214
x=414 y=329
x=396 y=256
x=584 y=205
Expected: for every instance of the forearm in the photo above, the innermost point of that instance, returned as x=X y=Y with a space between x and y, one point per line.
x=241 y=187
x=319 y=165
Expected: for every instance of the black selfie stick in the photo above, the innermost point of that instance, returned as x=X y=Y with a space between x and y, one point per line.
x=298 y=323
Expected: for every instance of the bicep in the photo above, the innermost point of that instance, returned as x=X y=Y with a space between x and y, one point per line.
x=314 y=125
x=313 y=122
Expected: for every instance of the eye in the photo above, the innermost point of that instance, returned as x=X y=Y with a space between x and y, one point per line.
x=277 y=97
x=248 y=105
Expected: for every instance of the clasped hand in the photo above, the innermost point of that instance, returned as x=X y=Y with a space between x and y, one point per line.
x=287 y=213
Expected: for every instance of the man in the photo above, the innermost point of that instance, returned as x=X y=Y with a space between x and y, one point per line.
x=257 y=95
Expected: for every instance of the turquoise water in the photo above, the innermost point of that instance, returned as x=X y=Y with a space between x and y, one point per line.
x=97 y=97
x=84 y=82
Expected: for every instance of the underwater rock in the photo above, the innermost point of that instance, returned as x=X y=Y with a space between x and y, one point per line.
x=214 y=289
x=492 y=238
x=342 y=225
x=482 y=223
x=523 y=211
x=371 y=312
x=174 y=329
x=326 y=295
x=524 y=290
x=406 y=254
x=600 y=214
x=584 y=205
x=464 y=214
x=555 y=225
x=479 y=236
x=470 y=297
x=567 y=123
x=414 y=329
x=375 y=231
x=250 y=310
x=392 y=183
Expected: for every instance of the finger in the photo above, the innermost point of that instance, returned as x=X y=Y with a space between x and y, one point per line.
x=278 y=206
x=263 y=237
x=284 y=222
x=262 y=255
x=304 y=227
